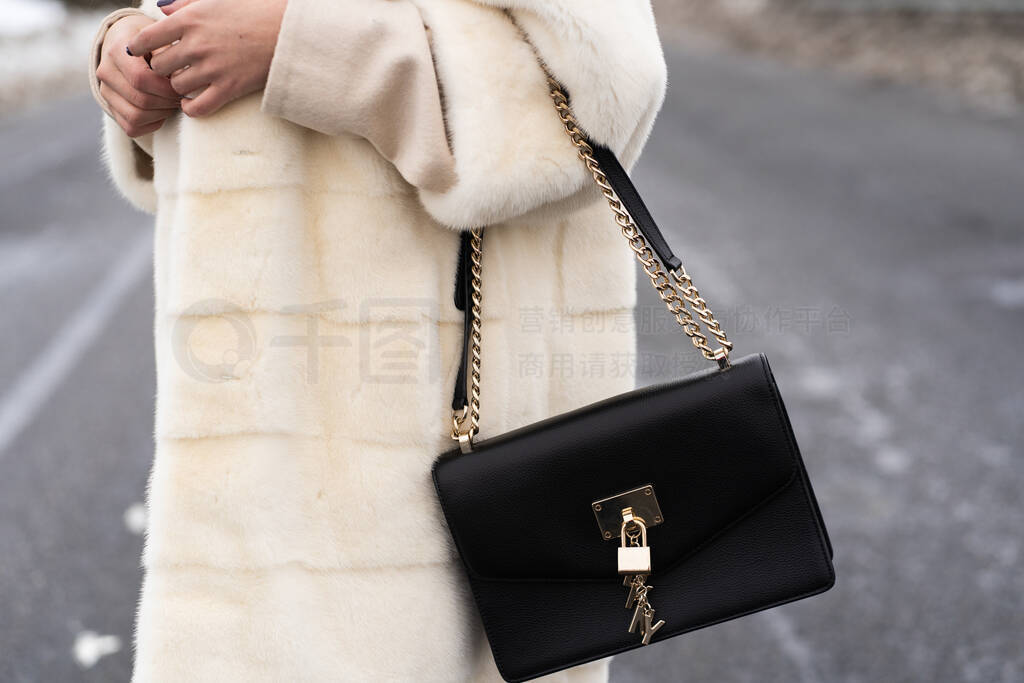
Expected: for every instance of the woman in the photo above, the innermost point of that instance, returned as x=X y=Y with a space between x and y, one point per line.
x=308 y=196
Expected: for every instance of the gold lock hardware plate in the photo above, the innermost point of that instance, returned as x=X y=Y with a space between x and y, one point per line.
x=608 y=511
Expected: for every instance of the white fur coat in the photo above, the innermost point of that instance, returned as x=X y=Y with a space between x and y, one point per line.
x=307 y=343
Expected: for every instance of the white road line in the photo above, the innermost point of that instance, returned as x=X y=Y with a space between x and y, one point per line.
x=44 y=375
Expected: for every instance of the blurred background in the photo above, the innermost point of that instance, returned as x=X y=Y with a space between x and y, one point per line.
x=845 y=181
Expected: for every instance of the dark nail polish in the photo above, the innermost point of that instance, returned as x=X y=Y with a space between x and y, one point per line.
x=128 y=50
x=163 y=3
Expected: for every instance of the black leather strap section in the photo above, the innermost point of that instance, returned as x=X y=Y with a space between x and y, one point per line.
x=463 y=301
x=627 y=192
x=630 y=197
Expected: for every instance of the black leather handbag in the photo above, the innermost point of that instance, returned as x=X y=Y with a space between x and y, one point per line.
x=640 y=517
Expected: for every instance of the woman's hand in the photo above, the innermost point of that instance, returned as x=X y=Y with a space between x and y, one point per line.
x=224 y=46
x=140 y=99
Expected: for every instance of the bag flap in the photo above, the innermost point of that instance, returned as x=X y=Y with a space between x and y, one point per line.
x=715 y=445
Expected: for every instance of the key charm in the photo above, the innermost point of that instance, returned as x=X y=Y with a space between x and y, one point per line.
x=634 y=582
x=647 y=628
x=643 y=614
x=635 y=564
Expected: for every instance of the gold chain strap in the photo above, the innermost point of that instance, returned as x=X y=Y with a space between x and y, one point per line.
x=661 y=282
x=458 y=420
x=644 y=255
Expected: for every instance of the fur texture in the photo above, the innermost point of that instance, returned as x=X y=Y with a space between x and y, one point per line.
x=294 y=532
x=511 y=155
x=119 y=154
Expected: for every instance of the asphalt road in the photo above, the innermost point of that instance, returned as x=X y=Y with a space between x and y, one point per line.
x=868 y=239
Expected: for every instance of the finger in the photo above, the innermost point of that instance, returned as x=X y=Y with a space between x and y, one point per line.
x=175 y=57
x=157 y=34
x=137 y=88
x=134 y=121
x=134 y=132
x=152 y=84
x=207 y=102
x=169 y=7
x=133 y=114
x=189 y=80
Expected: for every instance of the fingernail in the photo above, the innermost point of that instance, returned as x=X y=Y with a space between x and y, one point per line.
x=128 y=50
x=163 y=3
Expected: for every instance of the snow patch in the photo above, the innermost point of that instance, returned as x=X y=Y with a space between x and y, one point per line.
x=820 y=382
x=135 y=518
x=90 y=647
x=1008 y=293
x=745 y=7
x=44 y=53
x=25 y=17
x=892 y=460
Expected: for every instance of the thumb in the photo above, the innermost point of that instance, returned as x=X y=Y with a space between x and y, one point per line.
x=169 y=7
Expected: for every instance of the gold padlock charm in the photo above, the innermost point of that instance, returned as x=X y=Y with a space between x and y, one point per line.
x=634 y=559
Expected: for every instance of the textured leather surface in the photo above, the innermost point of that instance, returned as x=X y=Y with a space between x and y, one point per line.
x=710 y=464
x=742 y=530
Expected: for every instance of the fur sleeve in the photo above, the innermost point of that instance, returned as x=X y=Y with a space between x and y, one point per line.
x=128 y=161
x=511 y=153
x=129 y=165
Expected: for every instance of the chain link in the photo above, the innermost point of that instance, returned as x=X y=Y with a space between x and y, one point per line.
x=458 y=421
x=662 y=282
